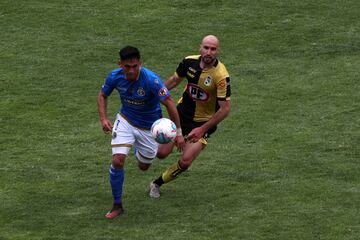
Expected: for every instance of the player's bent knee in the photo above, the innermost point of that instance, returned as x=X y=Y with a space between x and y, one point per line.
x=118 y=161
x=164 y=150
x=143 y=166
x=162 y=155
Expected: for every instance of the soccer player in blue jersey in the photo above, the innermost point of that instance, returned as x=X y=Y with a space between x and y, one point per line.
x=141 y=92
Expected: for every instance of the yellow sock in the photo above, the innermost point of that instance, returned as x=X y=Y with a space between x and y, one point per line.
x=172 y=172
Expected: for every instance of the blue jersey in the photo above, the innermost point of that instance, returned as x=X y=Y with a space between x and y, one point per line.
x=140 y=99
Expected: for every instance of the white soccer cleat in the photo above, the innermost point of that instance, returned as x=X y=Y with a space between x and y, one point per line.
x=154 y=190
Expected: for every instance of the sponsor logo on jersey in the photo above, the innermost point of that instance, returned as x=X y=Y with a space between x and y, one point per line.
x=222 y=84
x=121 y=89
x=197 y=93
x=141 y=91
x=133 y=102
x=190 y=74
x=163 y=92
x=192 y=70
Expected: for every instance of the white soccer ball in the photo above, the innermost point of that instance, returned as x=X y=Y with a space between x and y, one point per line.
x=163 y=130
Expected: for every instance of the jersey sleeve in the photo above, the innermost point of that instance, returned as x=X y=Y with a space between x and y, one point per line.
x=224 y=89
x=223 y=85
x=109 y=85
x=181 y=69
x=159 y=89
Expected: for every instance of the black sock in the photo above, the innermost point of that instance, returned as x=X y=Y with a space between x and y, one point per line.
x=159 y=181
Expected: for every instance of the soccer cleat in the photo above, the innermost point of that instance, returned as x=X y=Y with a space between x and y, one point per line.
x=115 y=211
x=154 y=190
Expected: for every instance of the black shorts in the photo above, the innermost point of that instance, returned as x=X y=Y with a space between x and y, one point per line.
x=188 y=124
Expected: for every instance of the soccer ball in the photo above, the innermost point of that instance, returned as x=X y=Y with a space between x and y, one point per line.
x=163 y=130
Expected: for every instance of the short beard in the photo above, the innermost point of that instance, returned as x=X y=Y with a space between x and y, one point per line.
x=208 y=60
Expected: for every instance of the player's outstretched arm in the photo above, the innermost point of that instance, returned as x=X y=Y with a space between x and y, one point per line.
x=220 y=115
x=172 y=81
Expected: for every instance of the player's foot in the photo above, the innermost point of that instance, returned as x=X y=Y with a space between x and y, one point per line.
x=154 y=190
x=116 y=210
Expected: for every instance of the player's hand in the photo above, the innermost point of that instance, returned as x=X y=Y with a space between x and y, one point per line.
x=106 y=125
x=180 y=142
x=195 y=135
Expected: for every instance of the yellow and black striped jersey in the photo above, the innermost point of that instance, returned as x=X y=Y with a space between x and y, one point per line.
x=204 y=88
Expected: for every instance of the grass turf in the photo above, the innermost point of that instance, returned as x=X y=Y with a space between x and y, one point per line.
x=284 y=165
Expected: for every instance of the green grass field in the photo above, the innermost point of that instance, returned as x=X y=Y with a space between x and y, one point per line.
x=285 y=164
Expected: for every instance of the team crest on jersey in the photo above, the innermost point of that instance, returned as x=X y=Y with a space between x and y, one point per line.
x=208 y=81
x=141 y=91
x=197 y=93
x=163 y=92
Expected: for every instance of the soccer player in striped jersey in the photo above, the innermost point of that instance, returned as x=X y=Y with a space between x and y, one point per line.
x=204 y=104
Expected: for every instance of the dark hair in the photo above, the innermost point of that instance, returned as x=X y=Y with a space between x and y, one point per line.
x=129 y=52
